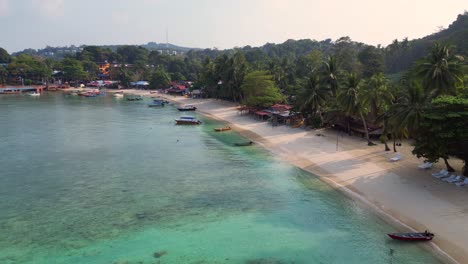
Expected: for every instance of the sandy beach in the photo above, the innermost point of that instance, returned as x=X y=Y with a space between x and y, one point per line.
x=399 y=192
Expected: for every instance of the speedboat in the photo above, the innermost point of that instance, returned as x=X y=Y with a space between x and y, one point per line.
x=33 y=94
x=425 y=236
x=187 y=120
x=187 y=108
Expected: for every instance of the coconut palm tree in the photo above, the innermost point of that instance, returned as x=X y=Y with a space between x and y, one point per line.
x=441 y=72
x=329 y=74
x=315 y=96
x=407 y=112
x=377 y=95
x=350 y=101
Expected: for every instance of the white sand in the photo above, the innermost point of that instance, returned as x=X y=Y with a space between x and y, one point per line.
x=400 y=192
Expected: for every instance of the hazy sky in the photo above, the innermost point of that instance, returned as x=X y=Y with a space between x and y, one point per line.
x=217 y=23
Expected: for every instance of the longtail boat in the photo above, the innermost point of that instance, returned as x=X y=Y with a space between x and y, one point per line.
x=425 y=236
x=243 y=144
x=221 y=129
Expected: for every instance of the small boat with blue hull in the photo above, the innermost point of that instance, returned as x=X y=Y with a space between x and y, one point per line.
x=187 y=120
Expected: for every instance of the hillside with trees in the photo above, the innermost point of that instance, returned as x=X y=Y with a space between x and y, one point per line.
x=408 y=89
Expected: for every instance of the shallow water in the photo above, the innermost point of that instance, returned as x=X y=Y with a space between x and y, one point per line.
x=102 y=180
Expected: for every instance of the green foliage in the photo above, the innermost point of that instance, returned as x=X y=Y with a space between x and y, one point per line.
x=346 y=55
x=73 y=70
x=224 y=76
x=133 y=54
x=122 y=74
x=260 y=90
x=97 y=54
x=329 y=73
x=400 y=55
x=443 y=130
x=377 y=95
x=372 y=60
x=4 y=56
x=28 y=67
x=160 y=79
x=177 y=76
x=314 y=97
x=441 y=71
x=349 y=96
x=3 y=75
x=90 y=68
x=406 y=113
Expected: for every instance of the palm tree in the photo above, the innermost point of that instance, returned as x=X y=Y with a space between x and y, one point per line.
x=350 y=100
x=407 y=112
x=329 y=74
x=441 y=72
x=315 y=96
x=377 y=95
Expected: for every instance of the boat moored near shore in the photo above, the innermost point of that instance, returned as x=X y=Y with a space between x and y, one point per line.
x=187 y=120
x=425 y=236
x=221 y=129
x=187 y=108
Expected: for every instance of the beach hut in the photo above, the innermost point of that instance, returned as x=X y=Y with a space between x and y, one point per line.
x=262 y=115
x=176 y=90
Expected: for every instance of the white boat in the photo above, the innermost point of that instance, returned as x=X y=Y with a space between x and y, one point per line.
x=119 y=95
x=187 y=108
x=187 y=120
x=33 y=94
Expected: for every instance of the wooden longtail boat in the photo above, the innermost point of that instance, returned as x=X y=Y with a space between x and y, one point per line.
x=221 y=129
x=243 y=144
x=426 y=236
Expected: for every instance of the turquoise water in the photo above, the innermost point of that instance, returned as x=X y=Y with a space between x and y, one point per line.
x=102 y=180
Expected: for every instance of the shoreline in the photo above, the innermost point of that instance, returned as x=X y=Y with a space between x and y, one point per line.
x=358 y=171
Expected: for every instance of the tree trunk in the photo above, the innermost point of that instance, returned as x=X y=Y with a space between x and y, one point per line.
x=394 y=143
x=321 y=118
x=386 y=146
x=449 y=168
x=370 y=143
x=385 y=137
x=347 y=122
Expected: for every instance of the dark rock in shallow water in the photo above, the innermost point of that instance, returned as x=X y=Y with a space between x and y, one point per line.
x=264 y=261
x=141 y=215
x=159 y=254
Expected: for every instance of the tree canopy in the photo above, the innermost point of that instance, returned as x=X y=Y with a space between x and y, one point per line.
x=443 y=130
x=260 y=90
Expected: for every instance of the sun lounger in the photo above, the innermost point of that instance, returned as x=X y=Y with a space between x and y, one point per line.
x=441 y=174
x=425 y=166
x=396 y=158
x=456 y=179
x=463 y=183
